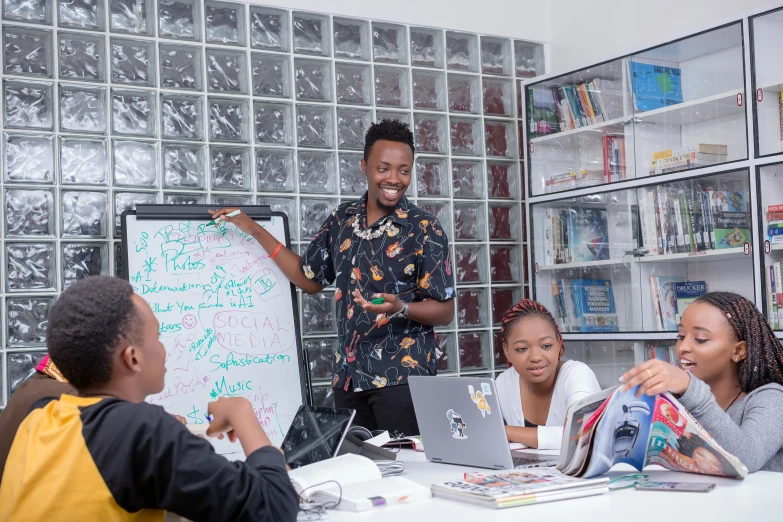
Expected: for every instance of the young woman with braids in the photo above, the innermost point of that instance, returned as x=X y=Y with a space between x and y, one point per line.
x=537 y=389
x=729 y=377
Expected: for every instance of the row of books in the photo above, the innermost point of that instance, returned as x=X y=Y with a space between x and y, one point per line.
x=671 y=296
x=676 y=219
x=585 y=305
x=684 y=158
x=556 y=109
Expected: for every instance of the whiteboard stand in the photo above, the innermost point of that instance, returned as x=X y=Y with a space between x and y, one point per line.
x=229 y=326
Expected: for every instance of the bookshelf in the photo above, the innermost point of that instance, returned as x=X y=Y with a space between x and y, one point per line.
x=614 y=216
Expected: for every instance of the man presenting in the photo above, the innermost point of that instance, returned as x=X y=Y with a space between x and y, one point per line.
x=391 y=267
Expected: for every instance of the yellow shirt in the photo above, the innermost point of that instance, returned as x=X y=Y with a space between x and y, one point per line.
x=77 y=459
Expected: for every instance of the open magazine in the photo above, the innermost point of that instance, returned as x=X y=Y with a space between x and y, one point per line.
x=612 y=427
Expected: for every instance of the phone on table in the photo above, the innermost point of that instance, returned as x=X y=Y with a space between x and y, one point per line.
x=693 y=487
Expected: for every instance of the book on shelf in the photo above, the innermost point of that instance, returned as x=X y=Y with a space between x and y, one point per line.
x=585 y=305
x=774 y=291
x=613 y=427
x=614 y=158
x=518 y=488
x=575 y=234
x=662 y=350
x=730 y=218
x=685 y=293
x=356 y=482
x=780 y=111
x=587 y=234
x=664 y=301
x=654 y=86
x=774 y=224
x=544 y=113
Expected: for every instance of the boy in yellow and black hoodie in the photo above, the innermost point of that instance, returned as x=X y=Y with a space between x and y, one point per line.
x=107 y=455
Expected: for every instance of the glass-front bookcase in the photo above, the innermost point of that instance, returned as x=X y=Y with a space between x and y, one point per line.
x=653 y=178
x=623 y=260
x=672 y=108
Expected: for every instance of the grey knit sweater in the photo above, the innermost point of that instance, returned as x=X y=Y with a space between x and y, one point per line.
x=751 y=429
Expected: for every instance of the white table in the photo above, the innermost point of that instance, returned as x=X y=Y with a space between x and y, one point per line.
x=757 y=497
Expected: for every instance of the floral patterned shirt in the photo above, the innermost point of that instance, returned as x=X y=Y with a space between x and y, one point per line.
x=411 y=260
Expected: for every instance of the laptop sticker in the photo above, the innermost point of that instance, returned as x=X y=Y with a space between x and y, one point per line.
x=480 y=401
x=457 y=425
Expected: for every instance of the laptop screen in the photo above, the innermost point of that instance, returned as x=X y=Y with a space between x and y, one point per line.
x=315 y=435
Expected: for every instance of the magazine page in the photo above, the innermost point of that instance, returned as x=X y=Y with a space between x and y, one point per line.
x=578 y=414
x=679 y=443
x=584 y=444
x=622 y=433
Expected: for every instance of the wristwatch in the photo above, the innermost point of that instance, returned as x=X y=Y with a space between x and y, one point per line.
x=403 y=311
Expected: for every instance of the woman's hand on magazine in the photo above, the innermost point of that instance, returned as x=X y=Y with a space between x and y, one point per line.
x=654 y=377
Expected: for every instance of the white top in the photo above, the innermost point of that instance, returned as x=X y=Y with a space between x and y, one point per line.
x=575 y=382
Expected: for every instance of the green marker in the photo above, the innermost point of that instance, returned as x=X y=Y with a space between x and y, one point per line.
x=219 y=218
x=377 y=301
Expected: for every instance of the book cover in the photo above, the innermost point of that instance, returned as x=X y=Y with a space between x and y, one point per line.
x=730 y=219
x=543 y=115
x=685 y=293
x=655 y=86
x=594 y=308
x=588 y=235
x=667 y=301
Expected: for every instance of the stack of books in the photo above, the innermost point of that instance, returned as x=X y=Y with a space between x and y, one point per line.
x=575 y=179
x=684 y=158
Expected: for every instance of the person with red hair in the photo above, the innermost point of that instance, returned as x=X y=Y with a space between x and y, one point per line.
x=538 y=388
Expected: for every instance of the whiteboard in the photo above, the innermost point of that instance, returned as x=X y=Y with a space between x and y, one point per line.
x=227 y=313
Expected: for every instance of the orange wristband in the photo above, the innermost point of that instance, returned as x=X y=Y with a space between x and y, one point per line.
x=277 y=251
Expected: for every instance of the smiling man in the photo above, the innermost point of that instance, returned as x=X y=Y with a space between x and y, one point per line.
x=389 y=261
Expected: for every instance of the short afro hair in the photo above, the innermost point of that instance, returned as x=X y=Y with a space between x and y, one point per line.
x=86 y=326
x=391 y=130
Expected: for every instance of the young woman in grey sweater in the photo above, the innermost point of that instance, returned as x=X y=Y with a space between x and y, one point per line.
x=729 y=377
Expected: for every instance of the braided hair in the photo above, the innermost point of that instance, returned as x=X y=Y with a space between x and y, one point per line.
x=763 y=363
x=528 y=308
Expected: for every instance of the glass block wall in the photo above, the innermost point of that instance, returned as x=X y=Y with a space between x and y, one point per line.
x=110 y=103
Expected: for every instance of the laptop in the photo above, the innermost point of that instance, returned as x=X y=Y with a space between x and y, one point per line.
x=460 y=423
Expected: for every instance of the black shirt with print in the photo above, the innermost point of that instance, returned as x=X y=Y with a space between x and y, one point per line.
x=411 y=260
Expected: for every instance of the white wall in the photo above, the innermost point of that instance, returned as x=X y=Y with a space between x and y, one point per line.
x=583 y=32
x=526 y=19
